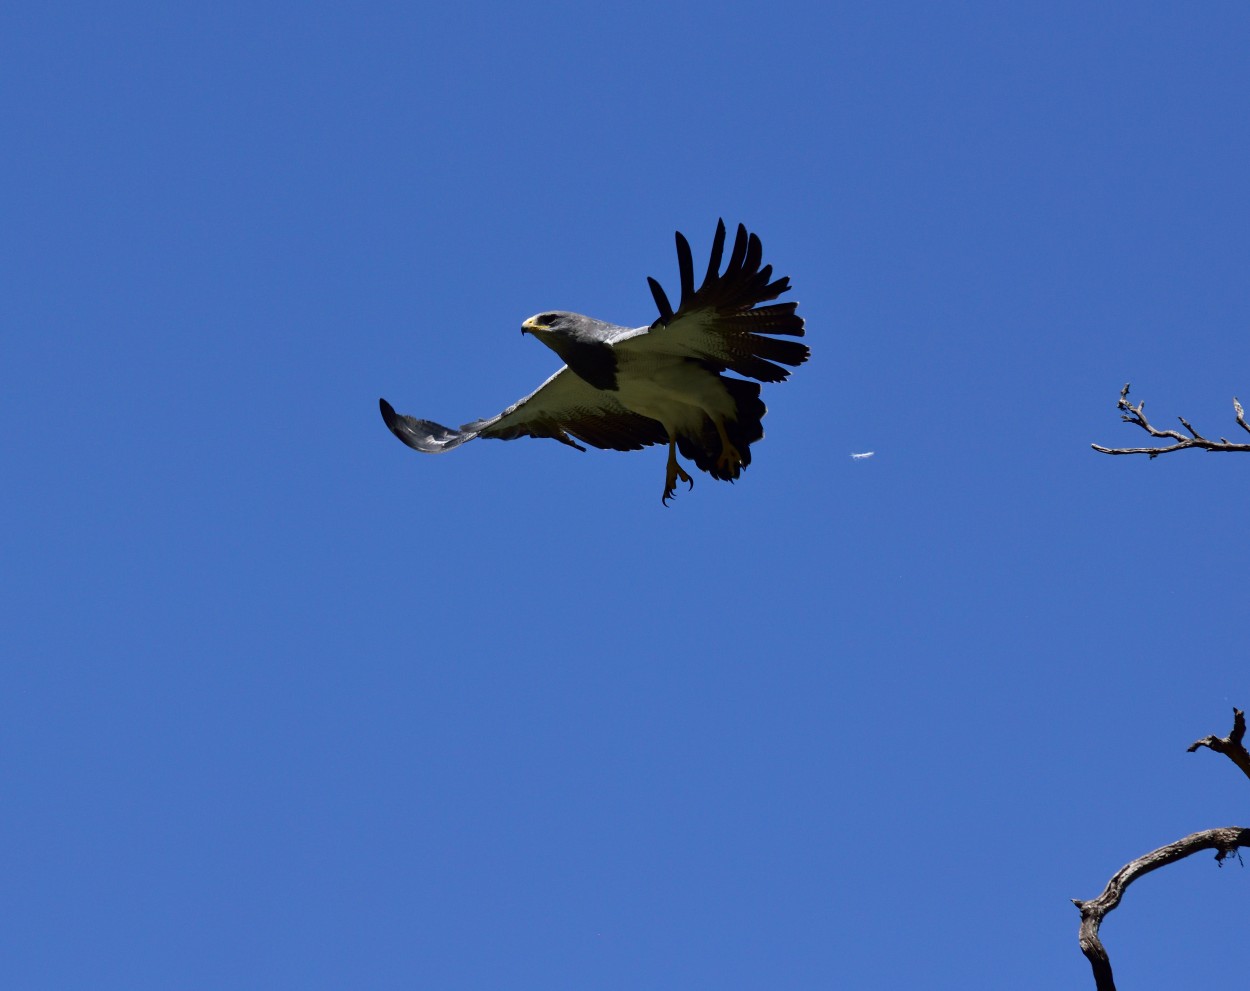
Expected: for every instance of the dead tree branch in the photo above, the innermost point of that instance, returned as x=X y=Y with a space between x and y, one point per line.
x=1230 y=746
x=1223 y=841
x=1136 y=415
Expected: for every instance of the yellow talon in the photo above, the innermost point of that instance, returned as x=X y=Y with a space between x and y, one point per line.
x=674 y=471
x=730 y=461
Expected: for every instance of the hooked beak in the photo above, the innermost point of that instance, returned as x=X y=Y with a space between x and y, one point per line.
x=532 y=326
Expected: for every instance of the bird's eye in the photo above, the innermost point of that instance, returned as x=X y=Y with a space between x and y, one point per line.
x=547 y=319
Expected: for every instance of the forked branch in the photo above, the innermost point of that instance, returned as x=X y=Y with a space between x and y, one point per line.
x=1224 y=842
x=1136 y=415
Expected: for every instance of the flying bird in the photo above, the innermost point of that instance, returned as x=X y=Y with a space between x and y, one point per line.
x=624 y=389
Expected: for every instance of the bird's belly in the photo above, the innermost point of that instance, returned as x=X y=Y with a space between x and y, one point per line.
x=677 y=393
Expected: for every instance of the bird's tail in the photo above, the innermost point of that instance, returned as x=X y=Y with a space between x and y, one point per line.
x=704 y=448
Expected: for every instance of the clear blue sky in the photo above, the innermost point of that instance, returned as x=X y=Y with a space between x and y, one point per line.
x=288 y=705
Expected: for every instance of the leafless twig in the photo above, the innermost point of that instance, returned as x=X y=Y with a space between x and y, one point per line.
x=1135 y=414
x=1223 y=841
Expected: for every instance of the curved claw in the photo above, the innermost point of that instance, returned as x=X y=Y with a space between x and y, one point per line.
x=672 y=493
x=730 y=461
x=674 y=471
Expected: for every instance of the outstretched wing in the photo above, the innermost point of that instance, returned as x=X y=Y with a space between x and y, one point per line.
x=563 y=408
x=424 y=435
x=722 y=322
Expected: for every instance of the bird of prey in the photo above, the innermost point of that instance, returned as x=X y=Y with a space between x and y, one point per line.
x=624 y=389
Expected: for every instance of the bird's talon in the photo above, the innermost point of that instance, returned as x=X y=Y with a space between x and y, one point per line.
x=730 y=461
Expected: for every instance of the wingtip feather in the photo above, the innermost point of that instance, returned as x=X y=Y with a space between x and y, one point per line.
x=718 y=250
x=685 y=266
x=661 y=300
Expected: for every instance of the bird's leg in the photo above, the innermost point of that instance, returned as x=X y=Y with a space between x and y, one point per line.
x=673 y=473
x=730 y=461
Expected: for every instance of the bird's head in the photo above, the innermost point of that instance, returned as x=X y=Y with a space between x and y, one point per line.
x=557 y=328
x=582 y=342
x=543 y=325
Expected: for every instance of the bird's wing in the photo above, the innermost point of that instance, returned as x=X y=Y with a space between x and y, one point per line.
x=564 y=407
x=722 y=322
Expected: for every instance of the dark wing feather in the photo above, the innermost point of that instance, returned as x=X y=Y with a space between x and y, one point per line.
x=565 y=408
x=723 y=322
x=685 y=267
x=718 y=251
x=423 y=435
x=661 y=300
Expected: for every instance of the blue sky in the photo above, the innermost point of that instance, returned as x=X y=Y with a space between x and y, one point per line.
x=287 y=705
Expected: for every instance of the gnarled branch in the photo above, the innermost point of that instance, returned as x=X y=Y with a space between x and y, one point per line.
x=1136 y=414
x=1230 y=746
x=1223 y=841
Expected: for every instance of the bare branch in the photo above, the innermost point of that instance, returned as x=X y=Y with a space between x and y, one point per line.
x=1136 y=415
x=1223 y=841
x=1231 y=745
x=1241 y=414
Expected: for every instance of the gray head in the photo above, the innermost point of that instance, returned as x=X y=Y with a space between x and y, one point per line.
x=582 y=342
x=554 y=326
